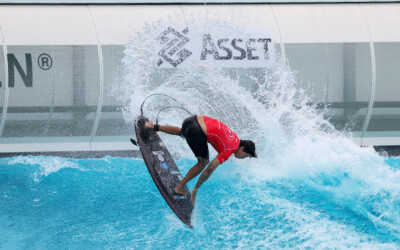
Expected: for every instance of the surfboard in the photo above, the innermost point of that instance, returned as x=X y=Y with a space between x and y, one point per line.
x=163 y=170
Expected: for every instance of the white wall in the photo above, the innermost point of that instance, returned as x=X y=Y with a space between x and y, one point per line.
x=314 y=23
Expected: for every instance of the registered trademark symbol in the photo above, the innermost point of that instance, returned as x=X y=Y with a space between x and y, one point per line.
x=45 y=62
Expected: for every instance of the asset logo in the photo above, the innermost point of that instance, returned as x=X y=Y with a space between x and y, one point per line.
x=221 y=49
x=173 y=51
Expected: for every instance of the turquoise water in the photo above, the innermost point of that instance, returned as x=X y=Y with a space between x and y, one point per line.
x=57 y=203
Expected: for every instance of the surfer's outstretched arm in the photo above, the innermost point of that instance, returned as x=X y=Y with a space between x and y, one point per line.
x=204 y=176
x=172 y=130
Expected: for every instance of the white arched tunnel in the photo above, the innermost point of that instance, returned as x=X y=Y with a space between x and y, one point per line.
x=58 y=62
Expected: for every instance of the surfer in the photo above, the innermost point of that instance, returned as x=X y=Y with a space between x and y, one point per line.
x=198 y=130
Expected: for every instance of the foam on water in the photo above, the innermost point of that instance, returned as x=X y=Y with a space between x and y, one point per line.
x=47 y=165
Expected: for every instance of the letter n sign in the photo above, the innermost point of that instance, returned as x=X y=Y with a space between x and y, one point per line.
x=13 y=64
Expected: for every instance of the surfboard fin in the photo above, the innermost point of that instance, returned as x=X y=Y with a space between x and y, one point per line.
x=134 y=142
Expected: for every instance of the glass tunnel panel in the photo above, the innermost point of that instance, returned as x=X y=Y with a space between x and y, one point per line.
x=386 y=109
x=2 y=81
x=65 y=76
x=76 y=90
x=53 y=91
x=31 y=89
x=112 y=122
x=337 y=76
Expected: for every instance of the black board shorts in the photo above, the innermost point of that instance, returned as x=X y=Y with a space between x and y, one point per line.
x=195 y=137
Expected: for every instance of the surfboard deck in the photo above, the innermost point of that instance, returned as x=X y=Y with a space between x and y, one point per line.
x=163 y=170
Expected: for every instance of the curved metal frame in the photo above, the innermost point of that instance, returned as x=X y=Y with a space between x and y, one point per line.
x=46 y=130
x=101 y=93
x=7 y=91
x=280 y=35
x=373 y=78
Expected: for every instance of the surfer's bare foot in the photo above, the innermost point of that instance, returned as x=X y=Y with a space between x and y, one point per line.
x=181 y=191
x=149 y=125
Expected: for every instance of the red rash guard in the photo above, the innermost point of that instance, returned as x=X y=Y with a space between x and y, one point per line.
x=221 y=138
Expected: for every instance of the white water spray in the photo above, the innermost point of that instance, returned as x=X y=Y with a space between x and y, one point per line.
x=293 y=140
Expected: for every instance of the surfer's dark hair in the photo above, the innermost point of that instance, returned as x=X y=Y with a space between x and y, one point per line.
x=249 y=147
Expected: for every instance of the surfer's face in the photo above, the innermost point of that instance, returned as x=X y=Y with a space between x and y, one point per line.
x=240 y=154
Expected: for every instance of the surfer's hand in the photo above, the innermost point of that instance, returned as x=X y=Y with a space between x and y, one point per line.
x=193 y=197
x=149 y=125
